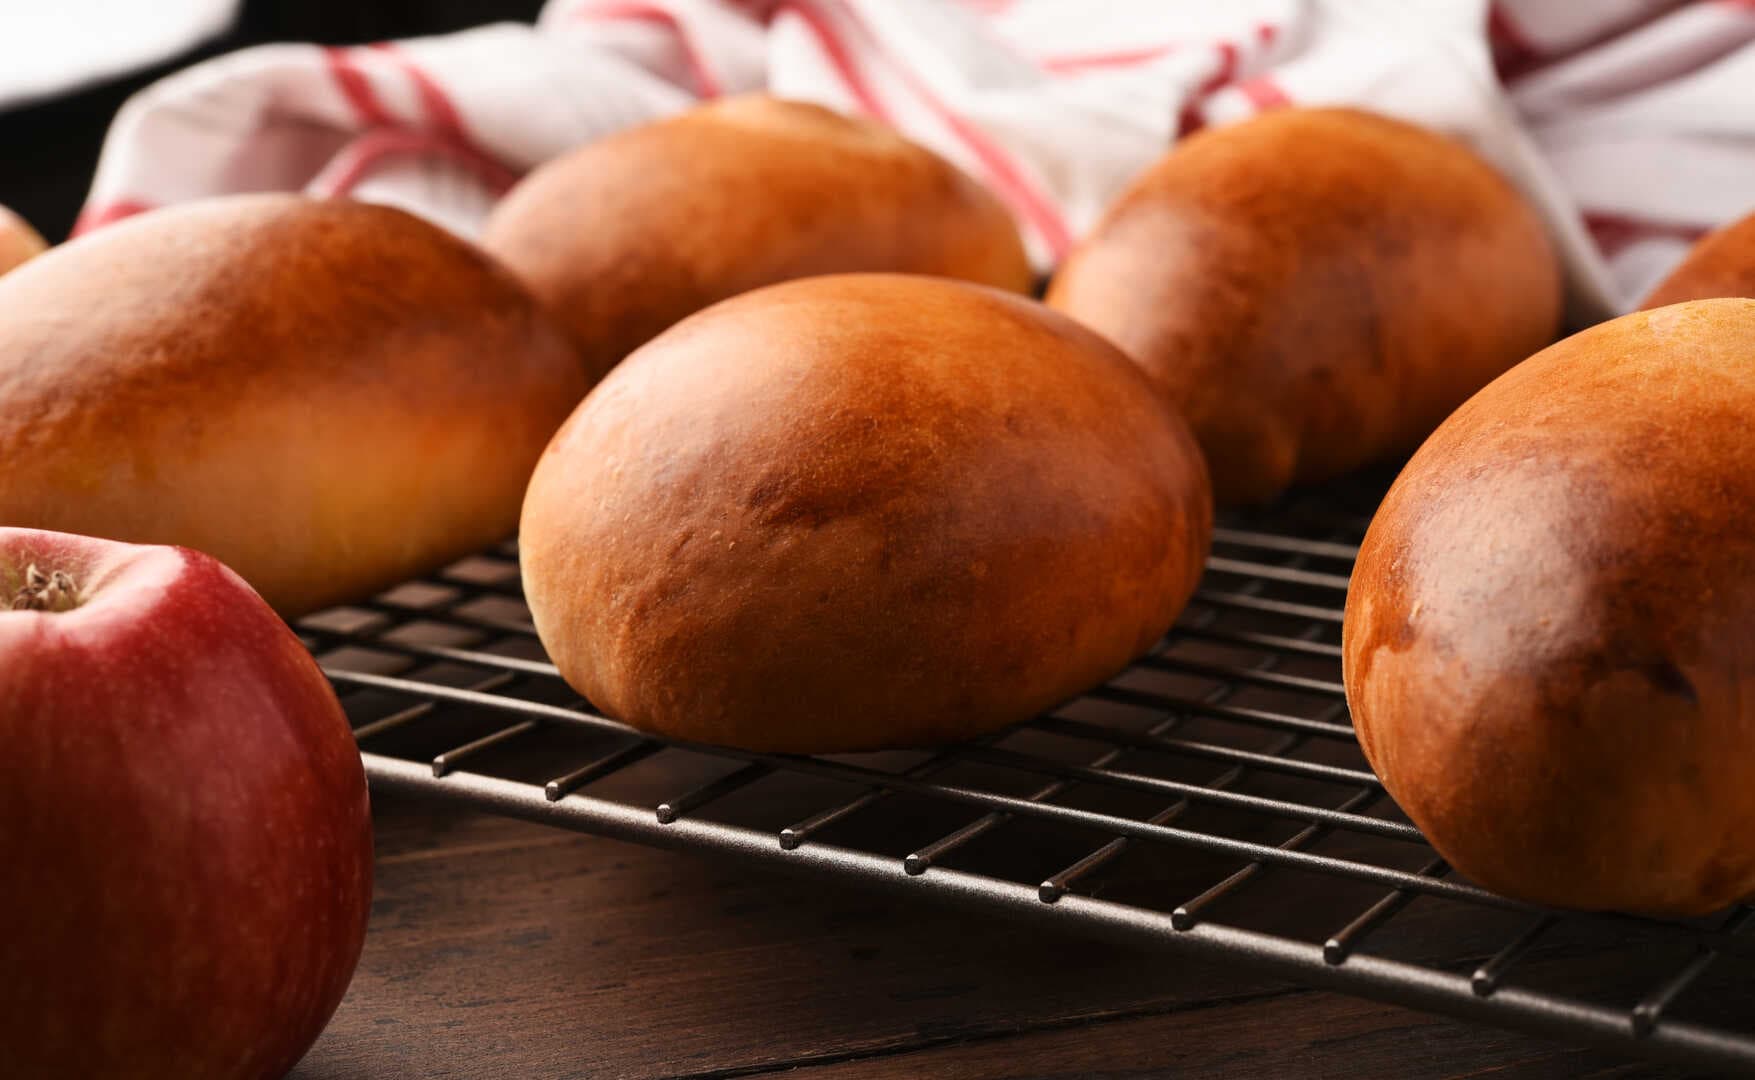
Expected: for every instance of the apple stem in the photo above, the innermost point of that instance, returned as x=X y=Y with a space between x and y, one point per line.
x=54 y=591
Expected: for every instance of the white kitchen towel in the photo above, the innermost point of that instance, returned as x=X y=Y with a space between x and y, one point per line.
x=1627 y=122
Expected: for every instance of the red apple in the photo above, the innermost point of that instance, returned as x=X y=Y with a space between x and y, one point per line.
x=185 y=845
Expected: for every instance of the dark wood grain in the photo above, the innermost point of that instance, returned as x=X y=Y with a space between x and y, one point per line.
x=502 y=949
x=1291 y=1035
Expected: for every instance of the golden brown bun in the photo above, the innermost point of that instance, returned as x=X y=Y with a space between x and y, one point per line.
x=1550 y=637
x=327 y=396
x=1315 y=289
x=18 y=241
x=861 y=511
x=1721 y=264
x=626 y=236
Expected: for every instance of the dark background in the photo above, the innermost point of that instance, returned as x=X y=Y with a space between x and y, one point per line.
x=48 y=150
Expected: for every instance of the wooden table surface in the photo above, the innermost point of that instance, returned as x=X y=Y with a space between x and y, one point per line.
x=504 y=949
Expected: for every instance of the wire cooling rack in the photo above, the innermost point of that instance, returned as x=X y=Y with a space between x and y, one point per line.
x=1210 y=799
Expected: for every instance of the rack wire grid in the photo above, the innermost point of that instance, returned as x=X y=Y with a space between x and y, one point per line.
x=1209 y=799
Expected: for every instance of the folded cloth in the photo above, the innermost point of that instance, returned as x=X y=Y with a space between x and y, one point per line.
x=1624 y=121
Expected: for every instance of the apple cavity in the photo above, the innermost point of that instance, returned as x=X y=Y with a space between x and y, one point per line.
x=185 y=843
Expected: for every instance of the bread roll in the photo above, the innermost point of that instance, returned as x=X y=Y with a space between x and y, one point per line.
x=1315 y=289
x=1721 y=264
x=625 y=236
x=328 y=397
x=18 y=241
x=1550 y=636
x=861 y=511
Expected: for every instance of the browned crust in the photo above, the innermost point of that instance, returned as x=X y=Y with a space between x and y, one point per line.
x=329 y=397
x=1550 y=636
x=627 y=235
x=19 y=243
x=1721 y=264
x=1315 y=289
x=861 y=511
